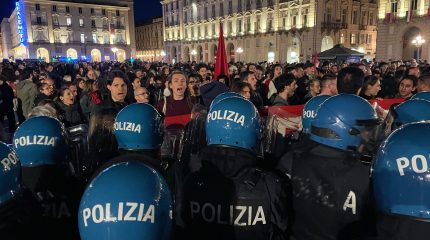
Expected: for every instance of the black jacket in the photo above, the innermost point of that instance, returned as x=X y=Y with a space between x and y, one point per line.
x=108 y=103
x=40 y=97
x=230 y=198
x=70 y=115
x=331 y=194
x=58 y=194
x=6 y=97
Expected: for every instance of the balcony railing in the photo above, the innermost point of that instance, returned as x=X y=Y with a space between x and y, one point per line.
x=334 y=25
x=39 y=23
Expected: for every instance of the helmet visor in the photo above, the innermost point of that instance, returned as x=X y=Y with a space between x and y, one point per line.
x=372 y=135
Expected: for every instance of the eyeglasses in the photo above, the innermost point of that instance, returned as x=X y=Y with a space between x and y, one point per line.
x=144 y=93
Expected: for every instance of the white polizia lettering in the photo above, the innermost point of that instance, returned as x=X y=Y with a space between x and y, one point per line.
x=127 y=126
x=418 y=163
x=232 y=215
x=309 y=114
x=126 y=211
x=351 y=202
x=9 y=161
x=35 y=140
x=227 y=115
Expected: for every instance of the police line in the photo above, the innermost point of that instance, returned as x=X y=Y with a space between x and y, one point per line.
x=285 y=112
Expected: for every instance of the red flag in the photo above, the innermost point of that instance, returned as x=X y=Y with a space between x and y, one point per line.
x=221 y=66
x=315 y=62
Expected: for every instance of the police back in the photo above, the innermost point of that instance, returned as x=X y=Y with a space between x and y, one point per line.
x=229 y=197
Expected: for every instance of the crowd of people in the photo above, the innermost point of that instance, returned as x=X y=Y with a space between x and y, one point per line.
x=99 y=161
x=75 y=91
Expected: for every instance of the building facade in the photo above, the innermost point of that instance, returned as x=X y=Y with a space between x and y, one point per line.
x=271 y=30
x=399 y=23
x=150 y=41
x=97 y=30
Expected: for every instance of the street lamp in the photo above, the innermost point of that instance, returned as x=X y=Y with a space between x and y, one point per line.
x=418 y=42
x=239 y=51
x=114 y=50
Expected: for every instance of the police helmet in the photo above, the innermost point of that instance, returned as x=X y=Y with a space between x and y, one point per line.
x=234 y=122
x=138 y=126
x=309 y=111
x=422 y=95
x=126 y=200
x=341 y=120
x=224 y=95
x=400 y=173
x=411 y=111
x=10 y=174
x=40 y=141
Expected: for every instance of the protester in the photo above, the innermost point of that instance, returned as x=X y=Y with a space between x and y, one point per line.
x=141 y=95
x=407 y=86
x=26 y=90
x=371 y=87
x=117 y=85
x=70 y=112
x=179 y=102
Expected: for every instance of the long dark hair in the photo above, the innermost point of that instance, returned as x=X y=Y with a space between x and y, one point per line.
x=187 y=94
x=369 y=81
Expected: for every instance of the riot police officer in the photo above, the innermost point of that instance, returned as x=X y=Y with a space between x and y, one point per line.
x=16 y=214
x=400 y=183
x=422 y=95
x=138 y=129
x=229 y=197
x=310 y=110
x=413 y=110
x=126 y=200
x=330 y=184
x=41 y=145
x=304 y=144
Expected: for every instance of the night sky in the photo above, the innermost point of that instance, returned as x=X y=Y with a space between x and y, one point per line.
x=143 y=9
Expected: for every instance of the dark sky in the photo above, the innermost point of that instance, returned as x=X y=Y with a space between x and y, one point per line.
x=143 y=9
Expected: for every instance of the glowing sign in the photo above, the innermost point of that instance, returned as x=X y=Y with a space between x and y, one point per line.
x=20 y=17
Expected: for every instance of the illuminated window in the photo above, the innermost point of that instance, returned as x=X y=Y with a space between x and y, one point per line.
x=69 y=21
x=94 y=38
x=81 y=22
x=353 y=40
x=82 y=38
